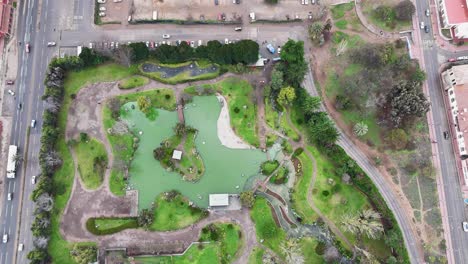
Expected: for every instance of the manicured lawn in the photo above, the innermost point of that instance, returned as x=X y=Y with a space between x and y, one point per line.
x=132 y=82
x=207 y=253
x=287 y=129
x=242 y=109
x=271 y=115
x=190 y=159
x=265 y=225
x=338 y=11
x=106 y=223
x=299 y=196
x=63 y=178
x=341 y=24
x=280 y=176
x=268 y=167
x=308 y=245
x=174 y=214
x=256 y=257
x=92 y=162
x=184 y=76
x=110 y=225
x=160 y=98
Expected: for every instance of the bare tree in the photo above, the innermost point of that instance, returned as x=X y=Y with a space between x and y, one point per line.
x=52 y=159
x=123 y=55
x=292 y=250
x=40 y=242
x=43 y=222
x=45 y=202
x=52 y=104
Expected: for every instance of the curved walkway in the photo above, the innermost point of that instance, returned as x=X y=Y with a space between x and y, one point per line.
x=371 y=28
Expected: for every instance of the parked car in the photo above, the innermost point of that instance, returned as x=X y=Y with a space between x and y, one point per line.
x=452 y=60
x=102 y=8
x=428 y=12
x=20 y=247
x=200 y=42
x=91 y=45
x=238 y=29
x=270 y=48
x=147 y=44
x=426 y=29
x=102 y=14
x=101 y=1
x=11 y=92
x=5 y=238
x=152 y=44
x=464 y=224
x=33 y=123
x=116 y=45
x=421 y=25
x=117 y=1
x=166 y=36
x=27 y=47
x=20 y=105
x=226 y=41
x=446 y=134
x=51 y=44
x=33 y=179
x=10 y=82
x=112 y=46
x=192 y=44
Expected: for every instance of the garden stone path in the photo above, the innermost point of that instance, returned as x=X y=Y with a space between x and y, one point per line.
x=87 y=117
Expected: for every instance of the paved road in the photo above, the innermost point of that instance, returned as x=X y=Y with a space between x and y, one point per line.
x=456 y=210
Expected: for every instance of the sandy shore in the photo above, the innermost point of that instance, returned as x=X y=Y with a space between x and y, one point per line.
x=225 y=133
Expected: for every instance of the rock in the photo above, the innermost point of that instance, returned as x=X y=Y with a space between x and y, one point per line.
x=346 y=178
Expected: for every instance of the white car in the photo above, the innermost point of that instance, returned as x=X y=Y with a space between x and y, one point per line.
x=169 y=42
x=91 y=45
x=102 y=8
x=117 y=1
x=33 y=123
x=20 y=247
x=421 y=25
x=226 y=41
x=102 y=14
x=101 y=1
x=5 y=238
x=112 y=45
x=200 y=42
x=465 y=226
x=166 y=36
x=10 y=196
x=116 y=45
x=279 y=50
x=51 y=44
x=192 y=44
x=147 y=44
x=11 y=92
x=33 y=179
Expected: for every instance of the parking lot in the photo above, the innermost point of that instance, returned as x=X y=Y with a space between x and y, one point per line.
x=205 y=10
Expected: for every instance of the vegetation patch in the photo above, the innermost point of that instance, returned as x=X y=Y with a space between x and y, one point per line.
x=338 y=11
x=390 y=17
x=242 y=109
x=173 y=211
x=190 y=166
x=280 y=176
x=268 y=167
x=132 y=82
x=229 y=237
x=92 y=161
x=110 y=225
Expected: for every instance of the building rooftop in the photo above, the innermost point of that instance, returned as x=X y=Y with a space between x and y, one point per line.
x=457 y=11
x=219 y=199
x=177 y=154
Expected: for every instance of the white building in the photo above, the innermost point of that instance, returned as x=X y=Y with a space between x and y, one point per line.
x=177 y=154
x=217 y=200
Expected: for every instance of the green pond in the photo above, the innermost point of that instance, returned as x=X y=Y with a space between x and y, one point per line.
x=226 y=169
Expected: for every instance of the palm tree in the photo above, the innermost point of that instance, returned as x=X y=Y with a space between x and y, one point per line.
x=315 y=30
x=367 y=223
x=367 y=258
x=360 y=129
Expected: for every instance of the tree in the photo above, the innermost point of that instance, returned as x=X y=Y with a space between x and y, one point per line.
x=159 y=153
x=114 y=105
x=139 y=51
x=271 y=2
x=367 y=257
x=180 y=129
x=90 y=57
x=367 y=222
x=315 y=30
x=405 y=10
x=84 y=254
x=37 y=256
x=145 y=218
x=53 y=160
x=310 y=104
x=144 y=103
x=397 y=138
x=321 y=129
x=123 y=55
x=286 y=96
x=384 y=13
x=294 y=66
x=45 y=202
x=41 y=242
x=360 y=129
x=292 y=250
x=247 y=199
x=406 y=101
x=276 y=82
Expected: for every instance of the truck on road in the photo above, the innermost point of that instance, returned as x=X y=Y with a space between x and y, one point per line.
x=11 y=165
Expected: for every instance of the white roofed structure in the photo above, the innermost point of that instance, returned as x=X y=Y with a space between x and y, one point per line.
x=219 y=200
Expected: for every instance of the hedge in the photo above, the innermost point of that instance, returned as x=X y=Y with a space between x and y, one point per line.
x=91 y=225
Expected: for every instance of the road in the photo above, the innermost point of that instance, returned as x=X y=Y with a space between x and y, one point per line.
x=29 y=89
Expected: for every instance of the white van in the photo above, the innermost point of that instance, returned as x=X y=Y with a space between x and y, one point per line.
x=5 y=238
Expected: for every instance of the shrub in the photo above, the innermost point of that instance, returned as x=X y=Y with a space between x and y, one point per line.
x=320 y=248
x=297 y=152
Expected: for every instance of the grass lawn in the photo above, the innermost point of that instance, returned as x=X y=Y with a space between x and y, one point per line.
x=299 y=195
x=269 y=166
x=228 y=236
x=190 y=159
x=107 y=223
x=92 y=162
x=270 y=139
x=280 y=176
x=160 y=98
x=338 y=11
x=132 y=82
x=341 y=24
x=184 y=76
x=242 y=109
x=174 y=214
x=266 y=227
x=256 y=257
x=287 y=129
x=205 y=254
x=392 y=25
x=308 y=245
x=271 y=115
x=59 y=249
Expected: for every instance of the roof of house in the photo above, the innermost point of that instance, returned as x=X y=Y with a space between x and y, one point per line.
x=219 y=199
x=457 y=11
x=177 y=154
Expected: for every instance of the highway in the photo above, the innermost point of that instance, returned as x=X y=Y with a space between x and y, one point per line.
x=29 y=89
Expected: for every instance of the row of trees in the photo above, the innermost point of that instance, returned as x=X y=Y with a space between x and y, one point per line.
x=244 y=52
x=403 y=11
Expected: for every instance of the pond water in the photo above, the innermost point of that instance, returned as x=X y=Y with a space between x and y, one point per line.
x=226 y=169
x=169 y=72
